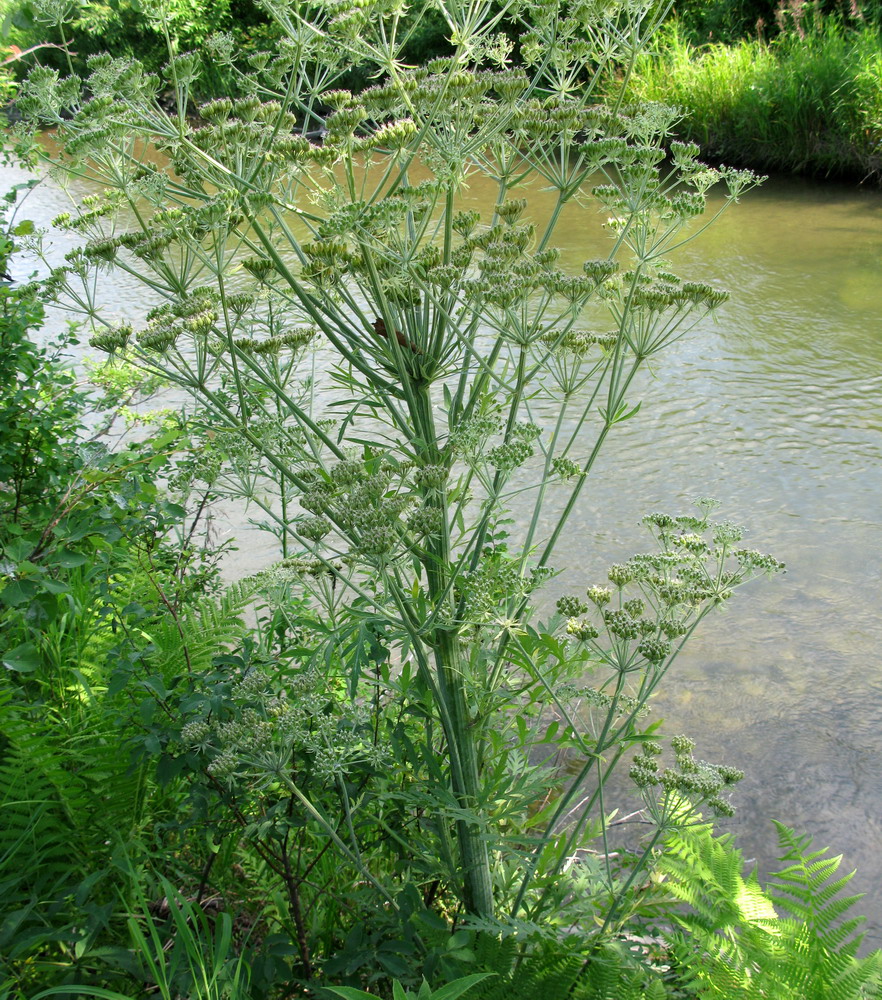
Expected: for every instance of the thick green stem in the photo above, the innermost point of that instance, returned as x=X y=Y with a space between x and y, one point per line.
x=451 y=665
x=477 y=887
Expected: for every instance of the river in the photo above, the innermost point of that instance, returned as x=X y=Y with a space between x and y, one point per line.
x=774 y=406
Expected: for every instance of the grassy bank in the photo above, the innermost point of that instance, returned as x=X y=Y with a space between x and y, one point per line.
x=808 y=104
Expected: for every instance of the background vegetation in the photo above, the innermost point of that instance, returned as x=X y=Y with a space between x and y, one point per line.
x=784 y=85
x=807 y=101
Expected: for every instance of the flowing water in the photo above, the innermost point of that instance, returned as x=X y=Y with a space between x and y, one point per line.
x=775 y=407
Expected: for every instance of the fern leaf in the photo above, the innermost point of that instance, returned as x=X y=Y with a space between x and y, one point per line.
x=733 y=945
x=201 y=631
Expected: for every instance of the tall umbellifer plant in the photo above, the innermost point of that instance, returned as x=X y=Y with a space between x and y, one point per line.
x=299 y=213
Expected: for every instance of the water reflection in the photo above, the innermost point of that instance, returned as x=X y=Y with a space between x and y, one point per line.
x=774 y=407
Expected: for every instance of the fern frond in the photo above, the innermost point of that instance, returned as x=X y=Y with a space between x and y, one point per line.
x=734 y=945
x=201 y=630
x=614 y=973
x=548 y=973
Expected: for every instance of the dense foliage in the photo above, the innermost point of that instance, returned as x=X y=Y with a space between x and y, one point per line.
x=808 y=102
x=787 y=85
x=377 y=765
x=731 y=21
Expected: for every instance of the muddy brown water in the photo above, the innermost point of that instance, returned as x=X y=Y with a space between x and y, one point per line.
x=775 y=407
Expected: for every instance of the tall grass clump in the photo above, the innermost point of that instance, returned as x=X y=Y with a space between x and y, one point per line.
x=809 y=104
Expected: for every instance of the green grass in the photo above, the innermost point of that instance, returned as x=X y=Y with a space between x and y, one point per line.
x=808 y=105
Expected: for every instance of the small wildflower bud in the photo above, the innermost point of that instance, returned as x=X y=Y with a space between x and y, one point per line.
x=430 y=477
x=510 y=84
x=571 y=607
x=377 y=540
x=620 y=576
x=425 y=521
x=111 y=340
x=511 y=211
x=684 y=154
x=225 y=766
x=727 y=533
x=395 y=135
x=546 y=258
x=540 y=575
x=600 y=270
x=159 y=338
x=654 y=650
x=650 y=748
x=259 y=267
x=621 y=624
x=256 y=200
x=299 y=338
x=730 y=775
x=259 y=60
x=599 y=595
x=464 y=223
x=643 y=772
x=196 y=734
x=578 y=628
x=246 y=108
x=202 y=322
x=441 y=66
x=314 y=528
x=217 y=111
x=344 y=122
x=240 y=302
x=682 y=745
x=565 y=468
x=444 y=277
x=693 y=543
x=670 y=780
x=102 y=249
x=672 y=628
x=269 y=111
x=338 y=99
x=721 y=807
x=659 y=520
x=184 y=68
x=347 y=472
x=151 y=247
x=510 y=455
x=634 y=607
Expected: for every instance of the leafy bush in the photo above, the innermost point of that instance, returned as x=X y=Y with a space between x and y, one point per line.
x=89 y=550
x=128 y=28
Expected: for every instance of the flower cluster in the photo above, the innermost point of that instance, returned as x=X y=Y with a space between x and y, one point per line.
x=659 y=597
x=358 y=500
x=497 y=584
x=516 y=449
x=695 y=780
x=262 y=732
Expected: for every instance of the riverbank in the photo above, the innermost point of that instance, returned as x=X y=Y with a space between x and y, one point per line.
x=807 y=105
